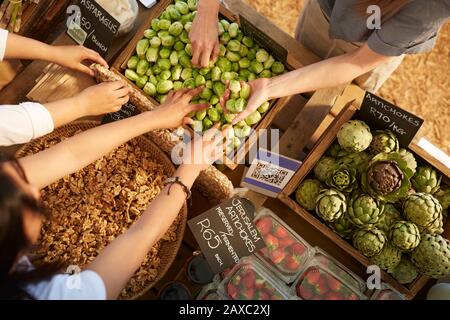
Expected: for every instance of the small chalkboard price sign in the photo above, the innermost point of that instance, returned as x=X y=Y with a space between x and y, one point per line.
x=92 y=26
x=381 y=114
x=128 y=110
x=226 y=233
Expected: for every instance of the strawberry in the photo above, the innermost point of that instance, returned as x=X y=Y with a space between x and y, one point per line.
x=277 y=256
x=313 y=275
x=333 y=296
x=305 y=292
x=271 y=242
x=236 y=280
x=247 y=294
x=260 y=283
x=334 y=284
x=322 y=287
x=291 y=263
x=232 y=290
x=353 y=296
x=286 y=242
x=297 y=249
x=263 y=295
x=280 y=232
x=249 y=280
x=264 y=225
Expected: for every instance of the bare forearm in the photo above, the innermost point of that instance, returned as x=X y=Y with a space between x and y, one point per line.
x=117 y=263
x=209 y=7
x=18 y=47
x=65 y=111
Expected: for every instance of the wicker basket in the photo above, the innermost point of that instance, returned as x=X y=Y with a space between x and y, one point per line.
x=168 y=250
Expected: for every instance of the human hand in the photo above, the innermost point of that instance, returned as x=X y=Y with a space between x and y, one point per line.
x=73 y=57
x=259 y=95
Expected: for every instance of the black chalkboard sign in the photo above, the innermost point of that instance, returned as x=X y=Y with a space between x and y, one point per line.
x=128 y=110
x=381 y=114
x=263 y=39
x=226 y=233
x=92 y=26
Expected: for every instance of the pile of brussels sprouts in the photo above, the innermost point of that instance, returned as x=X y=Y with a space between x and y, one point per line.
x=162 y=62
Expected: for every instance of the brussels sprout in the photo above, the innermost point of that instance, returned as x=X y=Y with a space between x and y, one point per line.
x=149 y=72
x=213 y=115
x=176 y=72
x=133 y=62
x=164 y=24
x=253 y=118
x=184 y=37
x=177 y=85
x=168 y=41
x=174 y=13
x=141 y=81
x=185 y=19
x=161 y=98
x=244 y=63
x=277 y=67
x=207 y=124
x=155 y=42
x=256 y=67
x=234 y=46
x=152 y=79
x=150 y=89
x=220 y=28
x=262 y=56
x=225 y=24
x=234 y=95
x=209 y=84
x=149 y=34
x=233 y=56
x=239 y=36
x=142 y=47
x=233 y=30
x=235 y=86
x=165 y=75
x=164 y=86
x=178 y=46
x=226 y=76
x=131 y=74
x=204 y=71
x=185 y=61
x=224 y=64
x=189 y=83
x=265 y=74
x=182 y=53
x=269 y=63
x=264 y=107
x=163 y=33
x=186 y=74
x=240 y=105
x=173 y=58
x=215 y=74
x=155 y=25
x=251 y=54
x=165 y=16
x=219 y=89
x=188 y=26
x=192 y=4
x=243 y=52
x=197 y=126
x=176 y=28
x=164 y=64
x=195 y=73
x=182 y=7
x=245 y=91
x=231 y=105
x=152 y=54
x=251 y=77
x=222 y=50
x=229 y=117
x=206 y=94
x=200 y=115
x=235 y=67
x=202 y=101
x=243 y=74
x=199 y=80
x=225 y=38
x=242 y=131
x=214 y=100
x=164 y=53
x=248 y=42
x=156 y=70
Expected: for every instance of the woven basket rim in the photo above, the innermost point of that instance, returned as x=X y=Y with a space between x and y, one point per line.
x=168 y=250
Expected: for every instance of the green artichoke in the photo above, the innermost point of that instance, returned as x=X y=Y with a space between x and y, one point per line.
x=404 y=235
x=369 y=241
x=432 y=256
x=343 y=179
x=324 y=168
x=426 y=179
x=330 y=205
x=357 y=160
x=443 y=196
x=336 y=151
x=405 y=272
x=409 y=158
x=343 y=226
x=354 y=136
x=364 y=211
x=384 y=141
x=387 y=177
x=307 y=193
x=388 y=258
x=425 y=211
x=390 y=216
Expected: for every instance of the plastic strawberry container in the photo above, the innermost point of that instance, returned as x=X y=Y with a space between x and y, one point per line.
x=286 y=253
x=326 y=279
x=249 y=280
x=387 y=293
x=210 y=292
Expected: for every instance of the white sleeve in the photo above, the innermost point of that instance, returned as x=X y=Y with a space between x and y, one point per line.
x=3 y=39
x=87 y=285
x=23 y=123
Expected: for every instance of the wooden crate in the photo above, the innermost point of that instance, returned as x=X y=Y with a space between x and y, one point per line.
x=297 y=57
x=344 y=110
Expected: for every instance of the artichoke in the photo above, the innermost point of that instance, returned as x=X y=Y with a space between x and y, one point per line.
x=425 y=211
x=388 y=258
x=443 y=196
x=336 y=151
x=354 y=136
x=357 y=160
x=307 y=193
x=384 y=141
x=364 y=211
x=330 y=205
x=405 y=272
x=409 y=158
x=369 y=241
x=343 y=226
x=343 y=179
x=387 y=177
x=324 y=168
x=426 y=179
x=432 y=256
x=391 y=215
x=404 y=235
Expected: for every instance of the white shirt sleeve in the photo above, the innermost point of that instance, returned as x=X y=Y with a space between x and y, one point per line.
x=3 y=39
x=23 y=123
x=87 y=285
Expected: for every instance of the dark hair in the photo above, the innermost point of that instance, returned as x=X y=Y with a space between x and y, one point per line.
x=13 y=240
